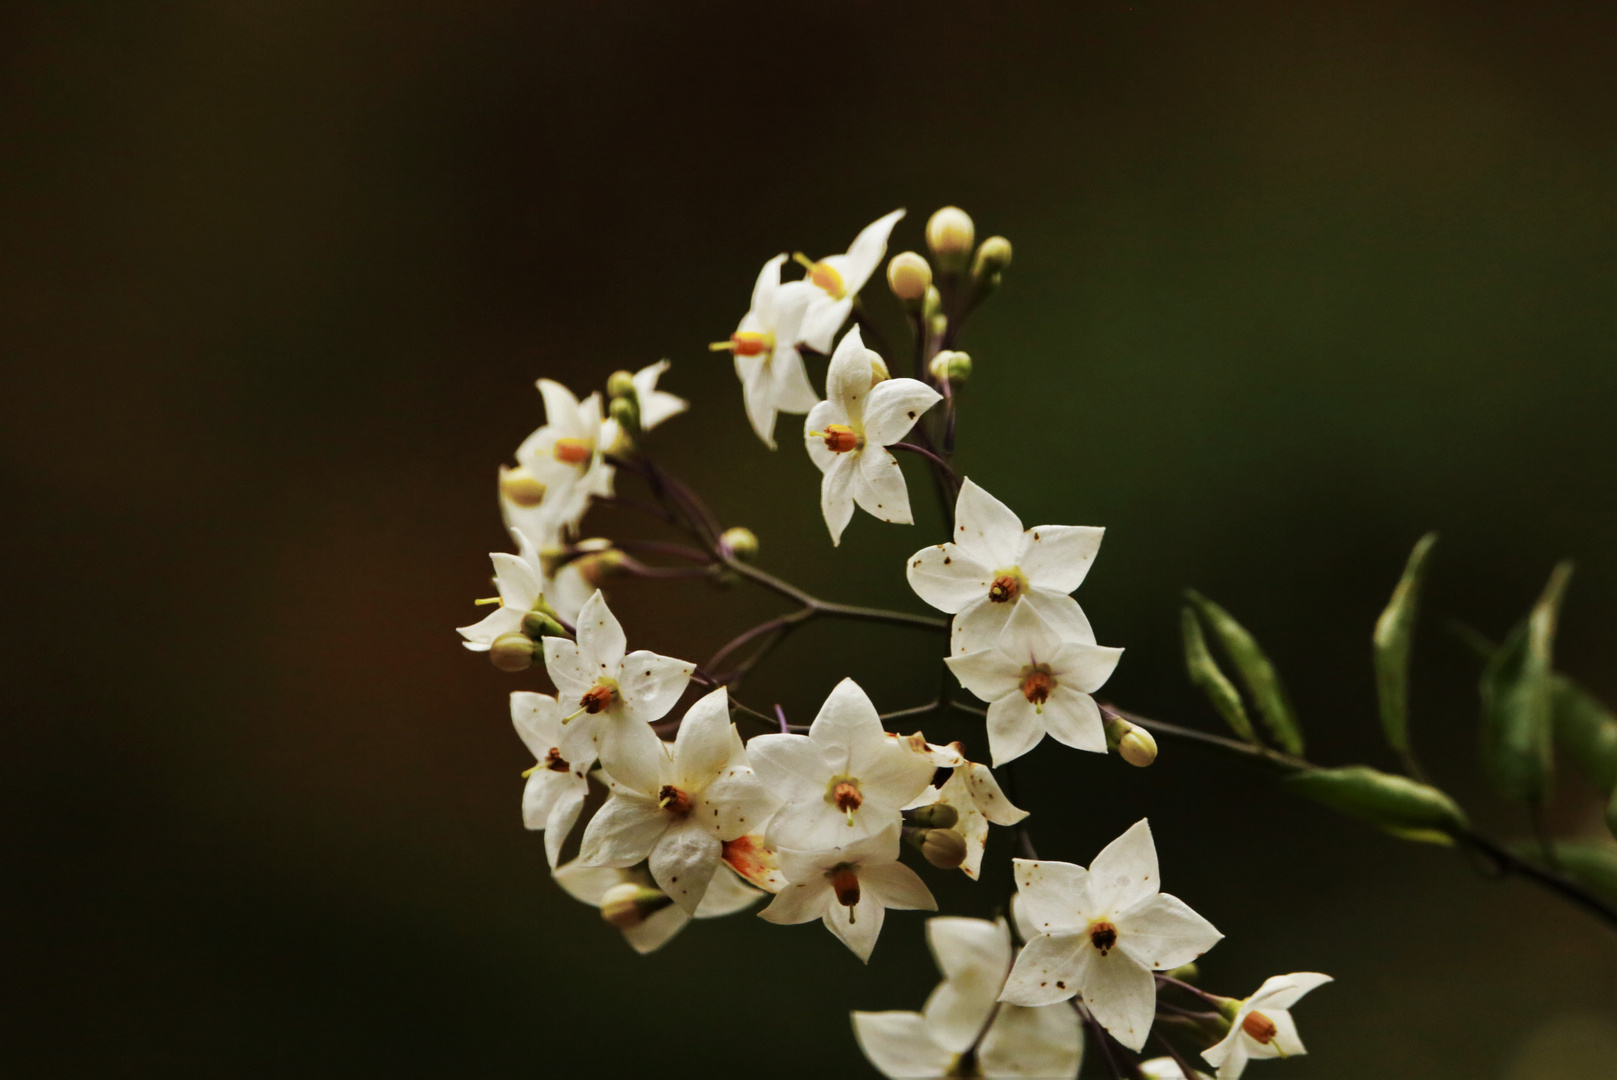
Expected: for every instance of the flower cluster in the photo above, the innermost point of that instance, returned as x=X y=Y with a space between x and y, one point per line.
x=657 y=810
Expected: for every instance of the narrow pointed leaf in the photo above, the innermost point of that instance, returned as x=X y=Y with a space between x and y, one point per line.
x=1396 y=804
x=1205 y=674
x=1592 y=863
x=1586 y=731
x=1517 y=695
x=1258 y=675
x=1395 y=630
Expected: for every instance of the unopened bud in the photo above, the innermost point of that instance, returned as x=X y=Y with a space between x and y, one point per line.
x=909 y=275
x=936 y=816
x=512 y=652
x=1138 y=748
x=992 y=258
x=626 y=411
x=951 y=366
x=740 y=542
x=602 y=567
x=932 y=304
x=878 y=370
x=538 y=624
x=521 y=487
x=628 y=905
x=949 y=234
x=620 y=385
x=937 y=325
x=944 y=848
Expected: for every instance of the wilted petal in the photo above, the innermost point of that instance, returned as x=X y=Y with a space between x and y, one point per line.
x=988 y=796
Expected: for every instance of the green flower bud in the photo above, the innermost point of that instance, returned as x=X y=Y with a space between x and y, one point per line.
x=909 y=276
x=521 y=487
x=626 y=411
x=1187 y=973
x=1130 y=741
x=512 y=652
x=949 y=235
x=740 y=542
x=602 y=567
x=992 y=258
x=620 y=385
x=933 y=302
x=944 y=848
x=628 y=905
x=952 y=366
x=878 y=370
x=936 y=816
x=538 y=624
x=937 y=325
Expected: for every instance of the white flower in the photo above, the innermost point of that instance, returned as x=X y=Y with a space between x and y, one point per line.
x=1166 y=1068
x=773 y=379
x=616 y=695
x=567 y=454
x=975 y=796
x=556 y=785
x=1102 y=932
x=655 y=405
x=677 y=816
x=1037 y=684
x=849 y=888
x=847 y=434
x=1263 y=1027
x=845 y=780
x=520 y=584
x=726 y=895
x=835 y=280
x=974 y=956
x=992 y=567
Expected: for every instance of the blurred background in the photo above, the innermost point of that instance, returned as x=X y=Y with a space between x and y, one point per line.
x=1293 y=284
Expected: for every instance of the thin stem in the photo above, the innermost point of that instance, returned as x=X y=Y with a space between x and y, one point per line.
x=826 y=607
x=914 y=710
x=771 y=626
x=938 y=462
x=1185 y=1067
x=1169 y=980
x=659 y=547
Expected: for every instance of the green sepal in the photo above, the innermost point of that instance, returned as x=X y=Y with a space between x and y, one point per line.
x=1586 y=731
x=1398 y=805
x=1257 y=673
x=1518 y=756
x=1395 y=631
x=1205 y=674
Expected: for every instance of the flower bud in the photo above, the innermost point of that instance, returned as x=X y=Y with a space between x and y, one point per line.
x=992 y=258
x=936 y=816
x=950 y=234
x=521 y=487
x=951 y=366
x=628 y=905
x=512 y=652
x=937 y=325
x=740 y=542
x=909 y=276
x=620 y=385
x=537 y=624
x=601 y=567
x=944 y=848
x=932 y=304
x=626 y=411
x=878 y=370
x=1138 y=748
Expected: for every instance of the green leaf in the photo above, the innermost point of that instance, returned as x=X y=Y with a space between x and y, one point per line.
x=1592 y=863
x=1394 y=632
x=1586 y=732
x=1257 y=673
x=1403 y=807
x=1517 y=752
x=1205 y=673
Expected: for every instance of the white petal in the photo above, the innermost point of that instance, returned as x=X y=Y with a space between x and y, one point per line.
x=866 y=251
x=988 y=796
x=793 y=392
x=539 y=795
x=1120 y=993
x=1014 y=727
x=702 y=746
x=893 y=406
x=793 y=766
x=822 y=318
x=857 y=927
x=1046 y=970
x=537 y=722
x=481 y=634
x=1055 y=895
x=1284 y=991
x=816 y=825
x=1229 y=1055
x=1035 y=1044
x=847 y=725
x=1062 y=612
x=848 y=378
x=587 y=884
x=763 y=290
x=1027 y=637
x=682 y=863
x=1084 y=667
x=600 y=637
x=1057 y=557
x=1125 y=871
x=891 y=773
x=977 y=626
x=631 y=753
x=726 y=895
x=563 y=816
x=736 y=804
x=650 y=684
x=1073 y=719
x=1286 y=1041
x=821 y=416
x=836 y=495
x=1162 y=932
x=987 y=673
x=518 y=584
x=986 y=528
x=878 y=486
x=561 y=406
x=897 y=886
x=898 y=1045
x=947 y=578
x=799 y=902
x=758 y=395
x=974 y=956
x=622 y=831
x=658 y=928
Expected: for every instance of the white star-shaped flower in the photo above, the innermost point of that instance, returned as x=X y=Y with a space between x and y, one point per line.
x=847 y=435
x=1166 y=1068
x=726 y=895
x=849 y=888
x=678 y=817
x=520 y=585
x=1101 y=934
x=1263 y=1027
x=655 y=405
x=845 y=780
x=993 y=566
x=1037 y=684
x=616 y=695
x=567 y=454
x=975 y=796
x=557 y=785
x=963 y=1017
x=835 y=280
x=773 y=379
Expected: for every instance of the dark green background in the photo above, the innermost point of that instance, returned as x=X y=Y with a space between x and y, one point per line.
x=1293 y=284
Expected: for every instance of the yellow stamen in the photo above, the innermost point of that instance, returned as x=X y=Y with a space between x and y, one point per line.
x=571 y=451
x=487 y=600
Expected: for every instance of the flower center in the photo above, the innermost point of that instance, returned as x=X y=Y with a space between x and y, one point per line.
x=1008 y=585
x=826 y=277
x=845 y=882
x=571 y=451
x=596 y=698
x=1036 y=685
x=843 y=793
x=673 y=800
x=1260 y=1027
x=839 y=438
x=555 y=762
x=751 y=342
x=1102 y=935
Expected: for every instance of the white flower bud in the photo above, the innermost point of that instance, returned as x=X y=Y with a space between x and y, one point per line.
x=949 y=235
x=992 y=257
x=878 y=370
x=740 y=542
x=1138 y=748
x=521 y=487
x=628 y=905
x=909 y=275
x=951 y=365
x=512 y=652
x=944 y=848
